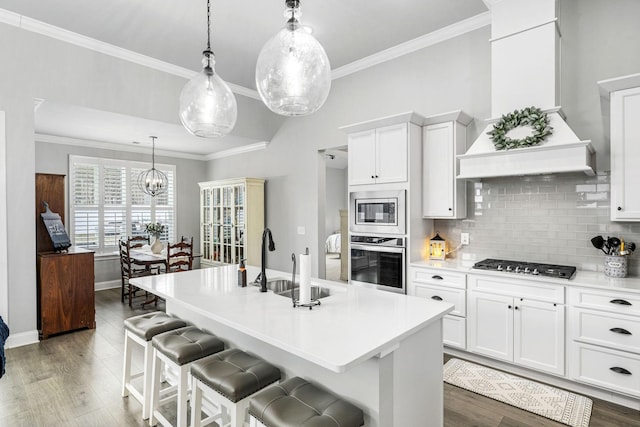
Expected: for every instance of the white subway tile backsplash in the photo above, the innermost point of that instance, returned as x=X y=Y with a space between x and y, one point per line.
x=543 y=218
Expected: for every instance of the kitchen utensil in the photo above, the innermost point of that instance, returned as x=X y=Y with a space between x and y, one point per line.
x=631 y=247
x=598 y=243
x=614 y=243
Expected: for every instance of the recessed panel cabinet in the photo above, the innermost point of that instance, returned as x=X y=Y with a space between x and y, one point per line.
x=520 y=323
x=231 y=221
x=378 y=156
x=444 y=137
x=625 y=152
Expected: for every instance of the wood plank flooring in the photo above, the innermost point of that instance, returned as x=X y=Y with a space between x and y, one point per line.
x=75 y=380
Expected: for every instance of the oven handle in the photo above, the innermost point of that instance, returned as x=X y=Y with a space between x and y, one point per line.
x=397 y=250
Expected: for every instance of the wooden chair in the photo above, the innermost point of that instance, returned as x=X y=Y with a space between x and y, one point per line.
x=180 y=255
x=128 y=267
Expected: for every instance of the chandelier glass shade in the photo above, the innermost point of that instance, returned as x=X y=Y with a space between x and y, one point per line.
x=293 y=73
x=207 y=106
x=153 y=181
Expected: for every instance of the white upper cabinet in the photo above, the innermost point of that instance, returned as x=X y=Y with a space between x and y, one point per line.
x=378 y=156
x=444 y=137
x=625 y=152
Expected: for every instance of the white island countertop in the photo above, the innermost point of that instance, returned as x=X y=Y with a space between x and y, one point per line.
x=350 y=326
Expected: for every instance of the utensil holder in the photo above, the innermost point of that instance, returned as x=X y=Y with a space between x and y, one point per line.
x=615 y=265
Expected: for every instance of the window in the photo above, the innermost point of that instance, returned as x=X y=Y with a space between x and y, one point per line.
x=107 y=205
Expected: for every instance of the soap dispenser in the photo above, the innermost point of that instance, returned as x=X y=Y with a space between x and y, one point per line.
x=242 y=274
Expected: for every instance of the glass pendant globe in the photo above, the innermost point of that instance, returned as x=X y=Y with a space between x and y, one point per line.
x=293 y=74
x=207 y=106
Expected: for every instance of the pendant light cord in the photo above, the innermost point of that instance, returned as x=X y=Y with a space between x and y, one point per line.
x=153 y=152
x=208 y=52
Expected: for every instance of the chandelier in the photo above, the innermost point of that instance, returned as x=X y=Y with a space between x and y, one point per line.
x=207 y=106
x=153 y=181
x=293 y=74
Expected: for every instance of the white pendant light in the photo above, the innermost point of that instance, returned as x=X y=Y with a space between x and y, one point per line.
x=207 y=106
x=293 y=74
x=152 y=181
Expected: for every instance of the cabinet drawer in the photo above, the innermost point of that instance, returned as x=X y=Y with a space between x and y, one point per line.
x=598 y=366
x=614 y=301
x=454 y=296
x=539 y=291
x=439 y=277
x=614 y=330
x=454 y=331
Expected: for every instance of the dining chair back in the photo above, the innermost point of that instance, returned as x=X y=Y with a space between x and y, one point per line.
x=180 y=255
x=128 y=266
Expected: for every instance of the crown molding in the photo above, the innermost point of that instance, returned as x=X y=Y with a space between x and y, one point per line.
x=238 y=150
x=435 y=37
x=61 y=34
x=101 y=145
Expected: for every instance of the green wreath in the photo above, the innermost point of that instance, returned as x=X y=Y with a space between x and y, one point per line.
x=530 y=116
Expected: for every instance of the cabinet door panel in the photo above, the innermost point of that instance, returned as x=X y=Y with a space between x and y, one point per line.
x=539 y=335
x=625 y=150
x=362 y=157
x=490 y=328
x=438 y=171
x=391 y=154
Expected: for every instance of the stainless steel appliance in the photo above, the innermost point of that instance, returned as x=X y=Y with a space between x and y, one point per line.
x=378 y=261
x=526 y=268
x=381 y=212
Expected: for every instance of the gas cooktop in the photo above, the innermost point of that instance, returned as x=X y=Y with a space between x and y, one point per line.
x=526 y=268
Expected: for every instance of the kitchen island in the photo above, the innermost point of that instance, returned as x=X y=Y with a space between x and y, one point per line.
x=382 y=351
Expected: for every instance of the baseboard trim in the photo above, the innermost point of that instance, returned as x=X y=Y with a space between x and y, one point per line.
x=110 y=284
x=565 y=383
x=22 y=338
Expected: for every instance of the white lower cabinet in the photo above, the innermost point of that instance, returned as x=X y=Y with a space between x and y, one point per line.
x=449 y=287
x=516 y=329
x=605 y=339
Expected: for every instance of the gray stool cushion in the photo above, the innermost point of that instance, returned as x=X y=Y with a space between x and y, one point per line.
x=148 y=325
x=296 y=402
x=234 y=373
x=185 y=345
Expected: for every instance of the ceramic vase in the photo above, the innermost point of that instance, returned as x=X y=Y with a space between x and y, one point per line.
x=156 y=246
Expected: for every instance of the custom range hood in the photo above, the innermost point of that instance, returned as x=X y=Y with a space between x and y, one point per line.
x=525 y=72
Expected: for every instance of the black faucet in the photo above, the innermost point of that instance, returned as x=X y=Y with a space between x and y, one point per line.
x=272 y=247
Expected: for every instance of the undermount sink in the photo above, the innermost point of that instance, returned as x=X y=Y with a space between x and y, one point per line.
x=284 y=287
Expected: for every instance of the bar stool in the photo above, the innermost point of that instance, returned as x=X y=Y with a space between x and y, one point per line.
x=140 y=330
x=228 y=379
x=297 y=402
x=177 y=350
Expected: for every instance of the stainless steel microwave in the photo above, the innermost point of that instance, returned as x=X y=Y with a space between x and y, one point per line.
x=377 y=212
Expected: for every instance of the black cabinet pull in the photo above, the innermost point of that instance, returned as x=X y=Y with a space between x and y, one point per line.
x=450 y=209
x=437 y=298
x=516 y=307
x=620 y=302
x=619 y=208
x=437 y=277
x=619 y=370
x=620 y=331
x=372 y=176
x=509 y=307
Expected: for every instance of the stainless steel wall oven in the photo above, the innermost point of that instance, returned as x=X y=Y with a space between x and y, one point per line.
x=378 y=262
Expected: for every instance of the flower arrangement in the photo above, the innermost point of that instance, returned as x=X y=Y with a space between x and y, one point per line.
x=155 y=228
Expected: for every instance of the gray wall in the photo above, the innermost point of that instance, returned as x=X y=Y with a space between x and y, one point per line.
x=54 y=158
x=336 y=198
x=36 y=66
x=451 y=75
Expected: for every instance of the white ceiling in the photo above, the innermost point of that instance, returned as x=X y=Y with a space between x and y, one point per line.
x=174 y=31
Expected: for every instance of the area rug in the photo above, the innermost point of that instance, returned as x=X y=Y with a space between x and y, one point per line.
x=541 y=399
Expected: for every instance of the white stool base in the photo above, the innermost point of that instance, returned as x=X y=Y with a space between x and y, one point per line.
x=143 y=396
x=179 y=391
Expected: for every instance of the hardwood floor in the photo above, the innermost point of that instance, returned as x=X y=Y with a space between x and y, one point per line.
x=75 y=380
